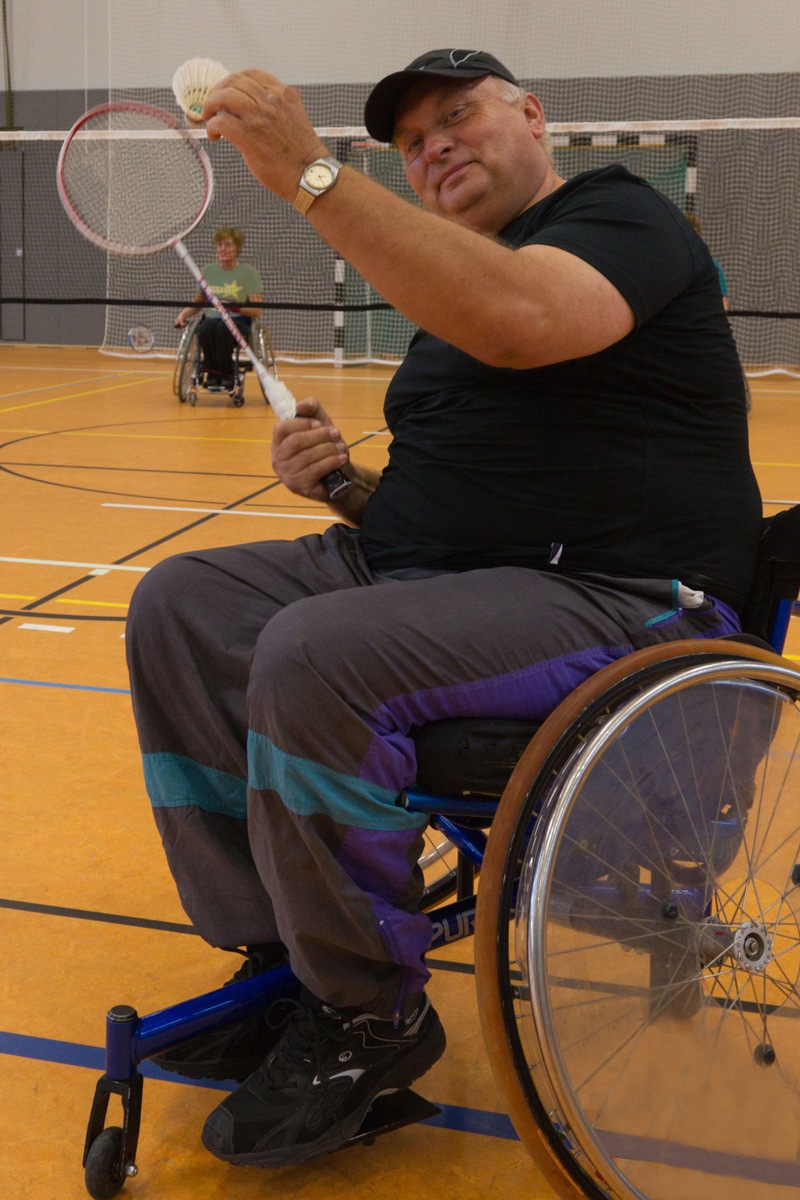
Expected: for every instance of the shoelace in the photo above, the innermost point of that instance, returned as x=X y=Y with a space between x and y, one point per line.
x=307 y=1033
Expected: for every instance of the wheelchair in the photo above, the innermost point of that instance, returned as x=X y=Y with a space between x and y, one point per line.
x=189 y=377
x=637 y=924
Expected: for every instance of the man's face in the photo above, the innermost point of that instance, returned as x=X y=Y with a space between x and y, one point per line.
x=469 y=153
x=227 y=253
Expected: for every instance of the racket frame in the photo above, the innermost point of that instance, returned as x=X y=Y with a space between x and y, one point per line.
x=277 y=393
x=164 y=118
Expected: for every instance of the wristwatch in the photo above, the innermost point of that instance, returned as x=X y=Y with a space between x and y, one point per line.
x=318 y=177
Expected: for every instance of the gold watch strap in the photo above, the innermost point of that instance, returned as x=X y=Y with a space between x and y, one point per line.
x=303 y=201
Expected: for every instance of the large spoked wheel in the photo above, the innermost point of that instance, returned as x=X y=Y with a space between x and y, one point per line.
x=187 y=371
x=638 y=935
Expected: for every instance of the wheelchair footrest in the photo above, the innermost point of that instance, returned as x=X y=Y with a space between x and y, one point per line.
x=393 y=1112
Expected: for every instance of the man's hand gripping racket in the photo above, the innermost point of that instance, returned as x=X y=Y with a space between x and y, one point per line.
x=134 y=182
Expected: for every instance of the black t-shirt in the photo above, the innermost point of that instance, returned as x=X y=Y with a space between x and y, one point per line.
x=630 y=462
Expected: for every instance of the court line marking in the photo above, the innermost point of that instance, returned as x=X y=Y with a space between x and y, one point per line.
x=72 y=687
x=452 y=1116
x=165 y=437
x=79 y=395
x=224 y=512
x=49 y=387
x=77 y=1054
x=47 y=628
x=60 y=562
x=67 y=600
x=117 y=436
x=168 y=368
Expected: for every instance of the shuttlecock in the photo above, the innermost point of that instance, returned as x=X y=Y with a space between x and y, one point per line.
x=192 y=82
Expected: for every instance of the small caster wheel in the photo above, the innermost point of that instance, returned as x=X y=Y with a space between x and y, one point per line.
x=192 y=397
x=238 y=401
x=104 y=1176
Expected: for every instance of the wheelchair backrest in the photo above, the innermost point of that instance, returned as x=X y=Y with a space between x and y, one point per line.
x=777 y=578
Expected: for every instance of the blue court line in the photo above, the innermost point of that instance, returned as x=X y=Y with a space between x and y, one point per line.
x=74 y=687
x=633 y=1147
x=73 y=1054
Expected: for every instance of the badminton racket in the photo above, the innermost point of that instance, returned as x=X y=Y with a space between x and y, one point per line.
x=141 y=339
x=134 y=182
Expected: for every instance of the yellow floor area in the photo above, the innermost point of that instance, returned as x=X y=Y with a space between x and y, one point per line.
x=103 y=474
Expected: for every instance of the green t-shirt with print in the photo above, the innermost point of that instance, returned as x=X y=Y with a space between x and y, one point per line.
x=232 y=287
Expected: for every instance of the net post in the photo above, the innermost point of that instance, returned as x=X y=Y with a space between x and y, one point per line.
x=339 y=269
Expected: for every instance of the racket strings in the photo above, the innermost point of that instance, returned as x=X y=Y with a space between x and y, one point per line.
x=135 y=183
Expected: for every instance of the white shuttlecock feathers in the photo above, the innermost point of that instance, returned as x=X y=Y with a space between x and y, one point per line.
x=192 y=82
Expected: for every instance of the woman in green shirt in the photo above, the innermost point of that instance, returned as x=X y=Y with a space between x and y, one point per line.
x=236 y=285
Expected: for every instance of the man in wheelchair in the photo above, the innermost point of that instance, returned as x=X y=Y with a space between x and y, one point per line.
x=569 y=479
x=237 y=285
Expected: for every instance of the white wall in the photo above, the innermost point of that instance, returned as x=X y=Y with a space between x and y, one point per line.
x=66 y=44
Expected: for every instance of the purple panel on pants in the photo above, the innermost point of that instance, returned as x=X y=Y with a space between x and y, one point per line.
x=530 y=693
x=378 y=860
x=407 y=937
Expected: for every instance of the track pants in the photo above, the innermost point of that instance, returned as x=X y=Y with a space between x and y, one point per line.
x=274 y=687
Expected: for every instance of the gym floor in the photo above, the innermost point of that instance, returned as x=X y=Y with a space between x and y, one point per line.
x=104 y=473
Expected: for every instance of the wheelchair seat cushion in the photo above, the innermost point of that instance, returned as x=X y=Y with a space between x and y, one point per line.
x=462 y=755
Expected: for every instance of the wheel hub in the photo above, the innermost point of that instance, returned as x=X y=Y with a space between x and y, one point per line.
x=752 y=946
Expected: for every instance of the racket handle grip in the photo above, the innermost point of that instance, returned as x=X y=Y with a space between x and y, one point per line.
x=337 y=484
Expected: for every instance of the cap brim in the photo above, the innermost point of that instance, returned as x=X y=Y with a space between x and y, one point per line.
x=382 y=102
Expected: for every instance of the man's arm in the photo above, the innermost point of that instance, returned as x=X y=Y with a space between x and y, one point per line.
x=507 y=308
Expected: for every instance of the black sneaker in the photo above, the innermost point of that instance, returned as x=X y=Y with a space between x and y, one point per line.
x=313 y=1091
x=236 y=1051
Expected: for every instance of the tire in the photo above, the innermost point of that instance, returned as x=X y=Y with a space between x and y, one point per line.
x=104 y=1176
x=637 y=940
x=188 y=369
x=180 y=355
x=262 y=348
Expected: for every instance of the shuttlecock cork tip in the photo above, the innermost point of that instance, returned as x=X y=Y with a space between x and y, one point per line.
x=192 y=82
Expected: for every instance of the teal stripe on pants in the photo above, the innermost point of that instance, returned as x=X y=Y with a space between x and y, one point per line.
x=173 y=781
x=307 y=788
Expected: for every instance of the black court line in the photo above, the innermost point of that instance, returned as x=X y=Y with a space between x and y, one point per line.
x=85 y=914
x=128 y=470
x=11 y=613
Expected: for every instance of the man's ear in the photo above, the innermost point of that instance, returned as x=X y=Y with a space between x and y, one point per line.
x=534 y=114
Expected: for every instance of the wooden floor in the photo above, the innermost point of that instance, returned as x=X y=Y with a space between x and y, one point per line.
x=103 y=474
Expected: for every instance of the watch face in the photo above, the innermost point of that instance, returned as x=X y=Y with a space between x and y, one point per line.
x=318 y=175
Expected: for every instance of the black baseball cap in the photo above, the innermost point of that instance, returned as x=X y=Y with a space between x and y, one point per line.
x=384 y=98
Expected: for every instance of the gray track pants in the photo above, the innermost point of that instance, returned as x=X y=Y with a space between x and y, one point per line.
x=274 y=687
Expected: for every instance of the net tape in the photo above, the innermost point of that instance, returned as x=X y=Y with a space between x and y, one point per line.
x=707 y=165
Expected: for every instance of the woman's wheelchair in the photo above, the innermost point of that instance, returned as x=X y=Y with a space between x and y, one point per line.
x=190 y=376
x=637 y=925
